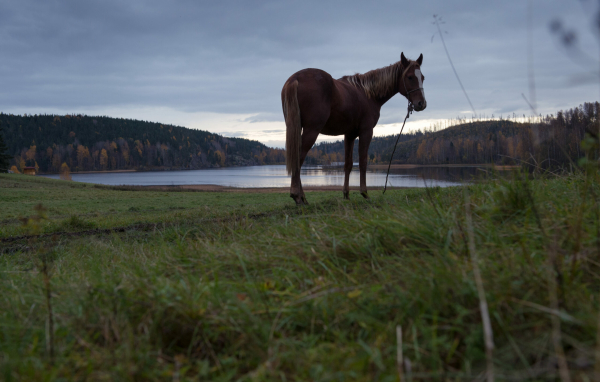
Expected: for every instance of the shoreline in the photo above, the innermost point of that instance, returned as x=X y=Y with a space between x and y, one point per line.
x=411 y=166
x=87 y=172
x=217 y=188
x=370 y=166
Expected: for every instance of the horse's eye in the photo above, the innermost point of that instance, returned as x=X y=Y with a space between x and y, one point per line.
x=411 y=77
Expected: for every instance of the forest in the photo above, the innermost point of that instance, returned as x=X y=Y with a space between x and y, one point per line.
x=84 y=143
x=88 y=143
x=548 y=142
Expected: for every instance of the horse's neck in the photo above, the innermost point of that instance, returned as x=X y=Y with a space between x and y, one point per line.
x=391 y=85
x=382 y=100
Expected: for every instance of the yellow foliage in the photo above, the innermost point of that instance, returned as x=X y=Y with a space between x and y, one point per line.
x=65 y=172
x=82 y=153
x=103 y=159
x=30 y=154
x=139 y=147
x=220 y=157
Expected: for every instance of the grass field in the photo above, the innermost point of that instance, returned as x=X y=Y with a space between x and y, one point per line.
x=103 y=284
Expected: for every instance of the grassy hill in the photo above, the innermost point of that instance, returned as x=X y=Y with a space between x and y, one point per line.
x=102 y=143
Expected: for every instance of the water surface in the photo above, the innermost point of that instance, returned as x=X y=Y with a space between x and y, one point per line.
x=276 y=176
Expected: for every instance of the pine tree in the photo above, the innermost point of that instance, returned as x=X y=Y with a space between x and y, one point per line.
x=4 y=157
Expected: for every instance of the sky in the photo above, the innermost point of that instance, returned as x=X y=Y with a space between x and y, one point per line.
x=220 y=65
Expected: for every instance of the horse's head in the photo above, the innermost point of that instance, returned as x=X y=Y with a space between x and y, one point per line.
x=411 y=82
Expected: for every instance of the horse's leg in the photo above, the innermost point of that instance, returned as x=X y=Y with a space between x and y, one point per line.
x=309 y=136
x=364 y=141
x=348 y=150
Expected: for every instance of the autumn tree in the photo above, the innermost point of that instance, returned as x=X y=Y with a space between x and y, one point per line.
x=103 y=159
x=65 y=172
x=30 y=155
x=83 y=156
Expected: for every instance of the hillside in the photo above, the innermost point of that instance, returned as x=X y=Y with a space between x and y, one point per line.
x=88 y=143
x=456 y=144
x=326 y=152
x=474 y=142
x=552 y=141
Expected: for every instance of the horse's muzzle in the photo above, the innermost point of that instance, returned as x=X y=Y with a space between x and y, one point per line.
x=420 y=106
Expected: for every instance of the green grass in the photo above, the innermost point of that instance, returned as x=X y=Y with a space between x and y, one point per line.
x=249 y=287
x=108 y=207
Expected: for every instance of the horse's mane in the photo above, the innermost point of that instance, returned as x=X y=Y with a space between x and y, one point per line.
x=377 y=83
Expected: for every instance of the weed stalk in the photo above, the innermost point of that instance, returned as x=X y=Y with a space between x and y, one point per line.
x=399 y=356
x=563 y=368
x=48 y=290
x=483 y=306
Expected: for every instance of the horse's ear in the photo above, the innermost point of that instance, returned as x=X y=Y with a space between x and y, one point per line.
x=403 y=60
x=420 y=60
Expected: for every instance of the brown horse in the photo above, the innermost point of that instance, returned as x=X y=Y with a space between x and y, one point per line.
x=314 y=103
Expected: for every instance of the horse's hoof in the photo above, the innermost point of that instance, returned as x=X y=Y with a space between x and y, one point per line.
x=347 y=195
x=299 y=199
x=365 y=195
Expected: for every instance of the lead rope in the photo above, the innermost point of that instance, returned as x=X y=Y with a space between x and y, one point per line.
x=408 y=112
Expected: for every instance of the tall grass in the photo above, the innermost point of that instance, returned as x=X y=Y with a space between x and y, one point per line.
x=317 y=293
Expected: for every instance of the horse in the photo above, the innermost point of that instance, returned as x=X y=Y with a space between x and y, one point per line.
x=315 y=103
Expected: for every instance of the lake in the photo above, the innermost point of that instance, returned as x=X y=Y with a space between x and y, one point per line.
x=276 y=176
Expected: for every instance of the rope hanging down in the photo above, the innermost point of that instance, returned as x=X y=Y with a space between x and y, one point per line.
x=408 y=112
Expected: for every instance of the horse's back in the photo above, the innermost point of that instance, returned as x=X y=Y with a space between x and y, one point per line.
x=315 y=91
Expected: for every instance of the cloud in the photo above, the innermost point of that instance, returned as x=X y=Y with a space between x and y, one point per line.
x=264 y=117
x=273 y=131
x=220 y=66
x=235 y=134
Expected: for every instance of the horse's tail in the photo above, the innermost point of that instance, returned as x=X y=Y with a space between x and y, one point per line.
x=293 y=138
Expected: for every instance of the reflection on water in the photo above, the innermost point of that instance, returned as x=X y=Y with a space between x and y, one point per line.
x=276 y=176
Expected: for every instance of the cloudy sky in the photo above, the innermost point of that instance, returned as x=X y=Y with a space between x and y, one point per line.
x=220 y=65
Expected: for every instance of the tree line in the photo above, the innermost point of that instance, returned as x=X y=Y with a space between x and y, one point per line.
x=88 y=143
x=546 y=142
x=83 y=143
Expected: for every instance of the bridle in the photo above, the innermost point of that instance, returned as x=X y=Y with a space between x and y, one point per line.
x=409 y=111
x=406 y=89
